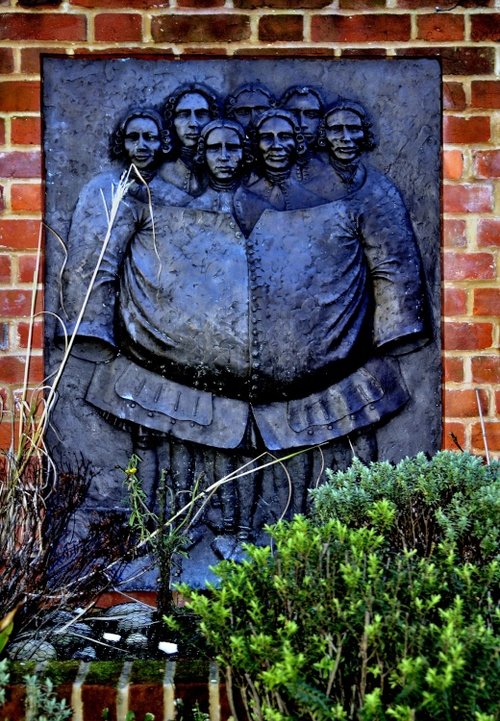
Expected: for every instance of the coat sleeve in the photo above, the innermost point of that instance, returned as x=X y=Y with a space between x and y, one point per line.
x=87 y=235
x=394 y=263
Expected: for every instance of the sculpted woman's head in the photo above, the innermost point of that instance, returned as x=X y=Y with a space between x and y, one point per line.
x=221 y=148
x=247 y=103
x=187 y=110
x=139 y=139
x=306 y=105
x=279 y=142
x=346 y=131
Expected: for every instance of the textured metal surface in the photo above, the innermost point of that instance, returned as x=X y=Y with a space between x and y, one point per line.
x=271 y=281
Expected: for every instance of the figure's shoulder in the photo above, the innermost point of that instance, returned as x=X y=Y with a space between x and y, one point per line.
x=329 y=185
x=96 y=195
x=302 y=196
x=314 y=165
x=379 y=191
x=174 y=172
x=106 y=182
x=164 y=192
x=256 y=185
x=377 y=182
x=253 y=195
x=206 y=201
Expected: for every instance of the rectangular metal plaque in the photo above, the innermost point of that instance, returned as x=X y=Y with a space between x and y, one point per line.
x=269 y=281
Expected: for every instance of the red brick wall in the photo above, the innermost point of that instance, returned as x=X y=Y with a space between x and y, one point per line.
x=465 y=38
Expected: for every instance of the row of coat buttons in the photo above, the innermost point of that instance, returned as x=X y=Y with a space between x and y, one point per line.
x=254 y=300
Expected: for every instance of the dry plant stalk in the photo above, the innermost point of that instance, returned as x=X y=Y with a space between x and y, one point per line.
x=24 y=474
x=27 y=473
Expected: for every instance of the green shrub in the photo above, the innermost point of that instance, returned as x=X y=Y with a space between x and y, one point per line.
x=41 y=703
x=4 y=679
x=419 y=502
x=338 y=620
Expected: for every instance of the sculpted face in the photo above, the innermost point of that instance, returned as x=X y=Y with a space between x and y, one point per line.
x=307 y=112
x=277 y=143
x=223 y=153
x=191 y=114
x=142 y=142
x=250 y=104
x=344 y=134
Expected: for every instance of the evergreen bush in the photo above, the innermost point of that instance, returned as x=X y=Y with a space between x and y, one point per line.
x=420 y=502
x=382 y=606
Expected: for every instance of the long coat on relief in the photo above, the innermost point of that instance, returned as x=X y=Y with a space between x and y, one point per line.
x=283 y=328
x=276 y=341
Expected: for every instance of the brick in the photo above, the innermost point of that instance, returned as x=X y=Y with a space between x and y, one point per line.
x=117 y=4
x=475 y=129
x=423 y=4
x=116 y=28
x=360 y=28
x=27 y=267
x=487 y=301
x=200 y=3
x=454 y=301
x=5 y=268
x=453 y=433
x=26 y=198
x=463 y=404
x=200 y=28
x=19 y=164
x=440 y=27
x=488 y=232
x=5 y=400
x=14 y=303
x=486 y=369
x=6 y=438
x=40 y=27
x=6 y=61
x=467 y=198
x=456 y=60
x=485 y=93
x=487 y=164
x=492 y=433
x=361 y=4
x=485 y=27
x=23 y=335
x=12 y=369
x=454 y=233
x=30 y=57
x=274 y=28
x=19 y=234
x=2 y=199
x=467 y=336
x=2 y=131
x=453 y=164
x=281 y=4
x=19 y=96
x=468 y=266
x=26 y=131
x=453 y=96
x=453 y=370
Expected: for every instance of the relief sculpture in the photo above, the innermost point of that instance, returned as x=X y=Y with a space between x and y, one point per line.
x=260 y=284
